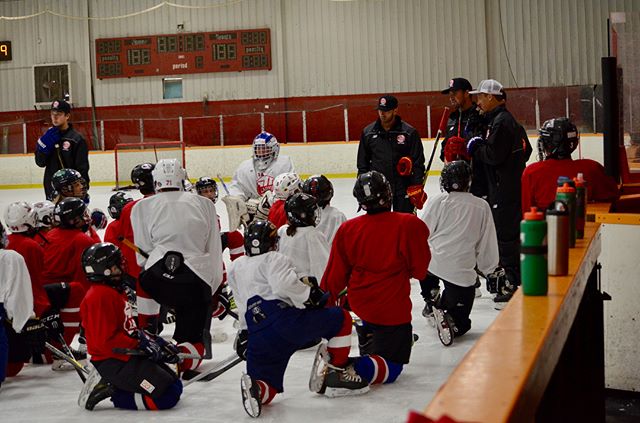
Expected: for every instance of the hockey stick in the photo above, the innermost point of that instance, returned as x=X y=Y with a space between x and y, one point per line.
x=133 y=246
x=67 y=348
x=217 y=370
x=134 y=352
x=226 y=189
x=443 y=121
x=82 y=370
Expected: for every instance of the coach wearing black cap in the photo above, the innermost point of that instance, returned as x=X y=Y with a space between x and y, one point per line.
x=61 y=147
x=465 y=122
x=394 y=148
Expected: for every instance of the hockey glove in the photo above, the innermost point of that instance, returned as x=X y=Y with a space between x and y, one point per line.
x=240 y=343
x=35 y=335
x=237 y=211
x=495 y=279
x=262 y=211
x=317 y=298
x=157 y=349
x=417 y=196
x=474 y=143
x=47 y=142
x=98 y=219
x=455 y=149
x=404 y=166
x=52 y=322
x=223 y=305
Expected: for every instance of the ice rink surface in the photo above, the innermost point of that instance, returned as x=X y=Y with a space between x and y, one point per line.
x=38 y=394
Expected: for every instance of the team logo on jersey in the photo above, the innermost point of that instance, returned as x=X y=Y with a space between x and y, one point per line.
x=400 y=139
x=264 y=183
x=129 y=324
x=66 y=145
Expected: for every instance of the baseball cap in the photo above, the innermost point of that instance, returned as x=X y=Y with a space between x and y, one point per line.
x=61 y=106
x=456 y=84
x=387 y=102
x=488 y=86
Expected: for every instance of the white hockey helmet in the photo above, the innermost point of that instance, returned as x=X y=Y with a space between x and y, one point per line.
x=168 y=174
x=44 y=214
x=20 y=217
x=286 y=184
x=265 y=150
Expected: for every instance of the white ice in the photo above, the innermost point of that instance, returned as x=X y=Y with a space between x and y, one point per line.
x=38 y=394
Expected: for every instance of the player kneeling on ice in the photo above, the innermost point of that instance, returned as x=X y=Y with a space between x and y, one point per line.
x=132 y=382
x=462 y=238
x=330 y=217
x=280 y=314
x=251 y=190
x=375 y=256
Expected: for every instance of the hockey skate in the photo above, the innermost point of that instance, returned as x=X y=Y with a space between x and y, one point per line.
x=95 y=389
x=444 y=326
x=431 y=303
x=319 y=368
x=341 y=382
x=250 y=396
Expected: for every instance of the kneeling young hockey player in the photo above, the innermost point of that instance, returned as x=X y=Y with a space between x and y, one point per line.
x=330 y=217
x=462 y=236
x=132 y=382
x=280 y=314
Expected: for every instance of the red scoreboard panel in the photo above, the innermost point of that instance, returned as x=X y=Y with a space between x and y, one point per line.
x=203 y=52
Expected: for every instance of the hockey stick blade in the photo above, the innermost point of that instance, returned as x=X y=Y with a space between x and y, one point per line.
x=131 y=351
x=217 y=370
x=76 y=364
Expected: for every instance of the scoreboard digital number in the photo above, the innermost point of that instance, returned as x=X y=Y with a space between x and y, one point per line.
x=5 y=51
x=223 y=51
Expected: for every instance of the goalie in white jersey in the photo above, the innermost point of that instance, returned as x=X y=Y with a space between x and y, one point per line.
x=179 y=232
x=250 y=191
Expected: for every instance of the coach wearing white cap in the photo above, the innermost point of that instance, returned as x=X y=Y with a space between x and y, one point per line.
x=501 y=154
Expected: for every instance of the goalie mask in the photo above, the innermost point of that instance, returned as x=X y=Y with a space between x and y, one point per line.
x=207 y=187
x=265 y=150
x=302 y=210
x=20 y=217
x=320 y=187
x=260 y=237
x=44 y=214
x=373 y=191
x=102 y=262
x=117 y=203
x=455 y=176
x=168 y=174
x=286 y=184
x=69 y=183
x=558 y=139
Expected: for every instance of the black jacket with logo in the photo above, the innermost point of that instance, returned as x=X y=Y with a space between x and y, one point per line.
x=380 y=150
x=71 y=152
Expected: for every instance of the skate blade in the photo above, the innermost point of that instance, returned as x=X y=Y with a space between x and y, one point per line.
x=251 y=405
x=316 y=379
x=343 y=392
x=444 y=331
x=89 y=384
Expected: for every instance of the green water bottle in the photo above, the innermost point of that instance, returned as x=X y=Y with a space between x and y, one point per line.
x=533 y=253
x=567 y=194
x=581 y=204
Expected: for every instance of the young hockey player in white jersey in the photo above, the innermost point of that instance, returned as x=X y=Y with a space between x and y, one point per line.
x=253 y=179
x=300 y=241
x=179 y=232
x=280 y=314
x=462 y=236
x=330 y=217
x=284 y=186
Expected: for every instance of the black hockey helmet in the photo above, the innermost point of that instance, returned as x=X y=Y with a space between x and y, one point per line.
x=207 y=182
x=302 y=210
x=98 y=260
x=260 y=237
x=456 y=176
x=142 y=178
x=373 y=191
x=559 y=137
x=320 y=187
x=63 y=182
x=117 y=203
x=69 y=210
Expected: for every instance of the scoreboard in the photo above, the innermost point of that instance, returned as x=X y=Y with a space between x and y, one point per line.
x=184 y=53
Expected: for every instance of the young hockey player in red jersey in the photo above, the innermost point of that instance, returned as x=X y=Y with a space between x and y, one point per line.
x=20 y=332
x=330 y=217
x=280 y=314
x=377 y=277
x=559 y=137
x=179 y=232
x=132 y=382
x=284 y=186
x=116 y=203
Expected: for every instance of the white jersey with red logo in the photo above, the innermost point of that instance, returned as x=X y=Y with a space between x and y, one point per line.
x=249 y=183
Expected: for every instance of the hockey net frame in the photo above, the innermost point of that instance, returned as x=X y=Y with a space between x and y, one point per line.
x=148 y=151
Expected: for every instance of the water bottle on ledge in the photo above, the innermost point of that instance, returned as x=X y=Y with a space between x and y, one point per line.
x=533 y=253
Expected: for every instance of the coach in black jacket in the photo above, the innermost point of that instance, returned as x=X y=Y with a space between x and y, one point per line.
x=393 y=148
x=61 y=147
